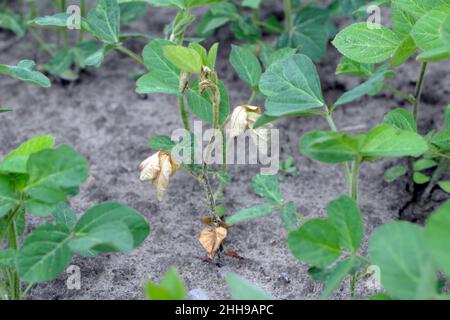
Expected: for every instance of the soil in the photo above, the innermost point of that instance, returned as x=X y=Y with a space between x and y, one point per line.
x=103 y=118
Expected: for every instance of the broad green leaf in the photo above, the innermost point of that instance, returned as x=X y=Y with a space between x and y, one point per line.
x=164 y=77
x=365 y=88
x=344 y=214
x=171 y=287
x=181 y=4
x=108 y=212
x=251 y=3
x=447 y=117
x=161 y=143
x=427 y=31
x=58 y=20
x=402 y=21
x=437 y=235
x=445 y=33
x=131 y=11
x=405 y=50
x=418 y=7
x=246 y=65
x=250 y=214
x=310 y=33
x=83 y=52
x=16 y=160
x=45 y=254
x=434 y=55
x=269 y=55
x=212 y=55
x=420 y=178
x=316 y=243
x=7 y=258
x=292 y=86
x=442 y=140
x=187 y=59
x=348 y=66
x=424 y=164
x=444 y=185
x=386 y=141
x=111 y=236
x=202 y=107
x=55 y=174
x=104 y=20
x=332 y=276
x=329 y=147
x=394 y=173
x=8 y=198
x=11 y=21
x=65 y=216
x=367 y=45
x=61 y=62
x=267 y=187
x=242 y=289
x=400 y=251
x=24 y=72
x=401 y=119
x=289 y=217
x=209 y=22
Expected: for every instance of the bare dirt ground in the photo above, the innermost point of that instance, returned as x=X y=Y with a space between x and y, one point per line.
x=103 y=118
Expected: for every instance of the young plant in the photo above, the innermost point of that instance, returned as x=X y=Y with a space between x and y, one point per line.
x=37 y=179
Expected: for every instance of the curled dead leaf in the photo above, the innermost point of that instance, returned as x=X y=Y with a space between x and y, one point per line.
x=210 y=222
x=211 y=238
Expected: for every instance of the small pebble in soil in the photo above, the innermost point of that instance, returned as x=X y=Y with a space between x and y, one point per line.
x=198 y=294
x=284 y=277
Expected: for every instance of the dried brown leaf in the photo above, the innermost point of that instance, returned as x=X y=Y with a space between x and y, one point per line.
x=211 y=238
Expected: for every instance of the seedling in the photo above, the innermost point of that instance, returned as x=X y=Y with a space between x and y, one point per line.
x=37 y=179
x=287 y=168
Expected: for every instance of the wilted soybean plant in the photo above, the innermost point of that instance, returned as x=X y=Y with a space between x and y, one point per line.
x=37 y=179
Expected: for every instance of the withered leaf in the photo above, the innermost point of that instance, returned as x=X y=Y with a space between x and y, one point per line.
x=211 y=239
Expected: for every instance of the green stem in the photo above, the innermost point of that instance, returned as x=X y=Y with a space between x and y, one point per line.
x=15 y=282
x=353 y=281
x=131 y=54
x=419 y=88
x=25 y=292
x=33 y=9
x=355 y=179
x=252 y=97
x=65 y=32
x=399 y=93
x=184 y=114
x=41 y=42
x=443 y=167
x=288 y=15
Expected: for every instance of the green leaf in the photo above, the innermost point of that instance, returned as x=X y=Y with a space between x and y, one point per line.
x=109 y=212
x=241 y=289
x=424 y=164
x=310 y=33
x=171 y=287
x=16 y=160
x=65 y=216
x=61 y=62
x=7 y=258
x=447 y=117
x=45 y=254
x=8 y=198
x=442 y=140
x=400 y=251
x=24 y=72
x=445 y=33
x=246 y=65
x=344 y=214
x=58 y=20
x=161 y=143
x=202 y=107
x=267 y=187
x=164 y=77
x=348 y=66
x=289 y=216
x=4 y=110
x=316 y=243
x=269 y=55
x=84 y=51
x=292 y=86
x=427 y=31
x=329 y=147
x=401 y=119
x=332 y=276
x=394 y=173
x=11 y=21
x=405 y=50
x=54 y=175
x=367 y=45
x=420 y=178
x=104 y=20
x=402 y=21
x=366 y=88
x=437 y=236
x=385 y=141
x=112 y=236
x=187 y=59
x=251 y=3
x=131 y=11
x=444 y=185
x=250 y=214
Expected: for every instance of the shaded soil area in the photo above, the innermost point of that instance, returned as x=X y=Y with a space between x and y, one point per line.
x=103 y=118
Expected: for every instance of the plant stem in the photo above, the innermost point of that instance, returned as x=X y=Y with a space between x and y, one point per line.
x=25 y=292
x=33 y=9
x=443 y=167
x=184 y=114
x=288 y=15
x=353 y=286
x=355 y=179
x=15 y=282
x=83 y=13
x=131 y=54
x=399 y=93
x=252 y=97
x=65 y=32
x=419 y=88
x=41 y=42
